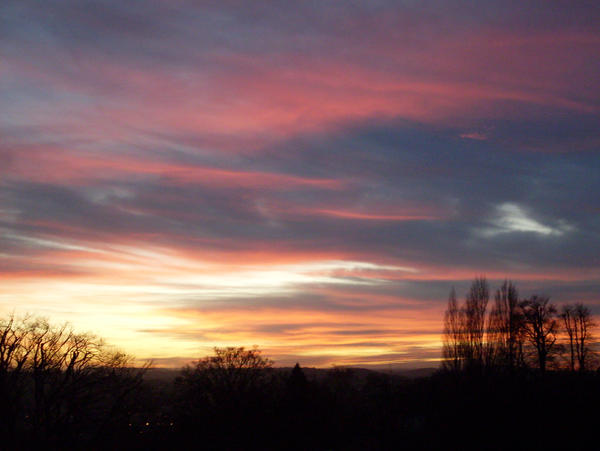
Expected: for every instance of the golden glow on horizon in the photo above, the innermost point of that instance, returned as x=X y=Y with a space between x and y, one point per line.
x=168 y=304
x=173 y=305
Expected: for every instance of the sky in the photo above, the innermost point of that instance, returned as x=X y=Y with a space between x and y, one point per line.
x=308 y=177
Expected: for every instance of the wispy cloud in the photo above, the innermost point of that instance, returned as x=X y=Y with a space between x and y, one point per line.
x=511 y=218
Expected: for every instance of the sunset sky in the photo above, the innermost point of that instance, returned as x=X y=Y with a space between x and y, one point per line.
x=308 y=177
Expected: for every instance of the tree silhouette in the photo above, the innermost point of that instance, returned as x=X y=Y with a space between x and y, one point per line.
x=234 y=370
x=453 y=335
x=474 y=318
x=13 y=358
x=55 y=381
x=223 y=396
x=297 y=381
x=514 y=334
x=578 y=323
x=505 y=327
x=541 y=327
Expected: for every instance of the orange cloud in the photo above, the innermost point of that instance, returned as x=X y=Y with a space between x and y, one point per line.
x=311 y=335
x=370 y=216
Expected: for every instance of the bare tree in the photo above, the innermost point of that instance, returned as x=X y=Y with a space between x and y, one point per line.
x=586 y=326
x=453 y=335
x=578 y=322
x=474 y=318
x=230 y=370
x=505 y=326
x=541 y=327
x=52 y=378
x=568 y=317
x=493 y=346
x=13 y=358
x=13 y=355
x=221 y=395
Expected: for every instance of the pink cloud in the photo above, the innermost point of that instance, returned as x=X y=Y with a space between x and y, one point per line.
x=53 y=165
x=264 y=98
x=478 y=136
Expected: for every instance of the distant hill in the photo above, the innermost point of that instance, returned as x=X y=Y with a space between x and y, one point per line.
x=161 y=374
x=317 y=374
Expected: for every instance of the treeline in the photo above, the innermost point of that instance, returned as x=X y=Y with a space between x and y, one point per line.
x=514 y=333
x=60 y=388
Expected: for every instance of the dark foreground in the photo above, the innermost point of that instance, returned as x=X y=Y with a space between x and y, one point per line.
x=341 y=410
